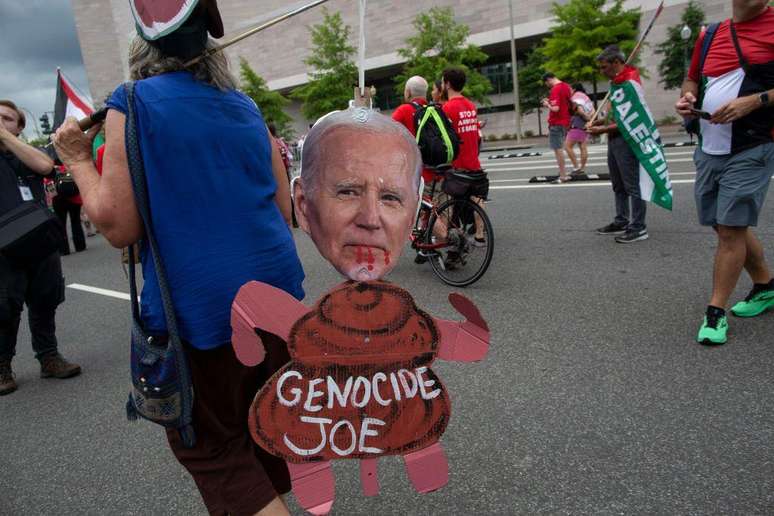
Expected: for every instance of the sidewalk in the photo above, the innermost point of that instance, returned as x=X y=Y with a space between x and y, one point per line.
x=669 y=134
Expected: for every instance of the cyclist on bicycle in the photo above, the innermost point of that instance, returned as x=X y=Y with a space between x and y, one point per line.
x=415 y=93
x=462 y=113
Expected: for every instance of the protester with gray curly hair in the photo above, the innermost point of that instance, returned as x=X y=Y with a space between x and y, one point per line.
x=217 y=214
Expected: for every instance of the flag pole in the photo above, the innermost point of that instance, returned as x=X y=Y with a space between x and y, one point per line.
x=630 y=59
x=246 y=34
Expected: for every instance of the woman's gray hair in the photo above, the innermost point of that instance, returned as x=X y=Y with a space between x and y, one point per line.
x=145 y=60
x=357 y=119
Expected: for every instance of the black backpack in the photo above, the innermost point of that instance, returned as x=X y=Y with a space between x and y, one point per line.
x=437 y=140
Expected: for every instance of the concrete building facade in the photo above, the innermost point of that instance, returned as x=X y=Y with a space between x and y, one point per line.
x=105 y=28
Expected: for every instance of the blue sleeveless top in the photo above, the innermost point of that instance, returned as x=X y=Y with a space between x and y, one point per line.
x=207 y=160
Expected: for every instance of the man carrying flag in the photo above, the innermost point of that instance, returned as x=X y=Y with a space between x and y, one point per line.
x=638 y=169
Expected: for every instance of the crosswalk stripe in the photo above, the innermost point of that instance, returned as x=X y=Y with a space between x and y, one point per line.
x=547 y=167
x=569 y=185
x=551 y=159
x=525 y=179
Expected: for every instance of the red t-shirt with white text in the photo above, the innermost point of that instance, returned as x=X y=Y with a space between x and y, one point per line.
x=462 y=114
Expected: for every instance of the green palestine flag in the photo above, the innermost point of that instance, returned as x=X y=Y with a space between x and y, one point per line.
x=636 y=124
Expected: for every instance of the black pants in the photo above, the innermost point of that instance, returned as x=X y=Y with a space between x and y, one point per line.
x=625 y=178
x=39 y=284
x=63 y=207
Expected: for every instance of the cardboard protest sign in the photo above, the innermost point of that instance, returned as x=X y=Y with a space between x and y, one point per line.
x=359 y=384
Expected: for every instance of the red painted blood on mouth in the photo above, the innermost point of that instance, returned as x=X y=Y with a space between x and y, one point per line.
x=371 y=259
x=386 y=257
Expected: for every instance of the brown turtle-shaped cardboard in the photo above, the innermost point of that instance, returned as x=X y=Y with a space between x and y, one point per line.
x=359 y=384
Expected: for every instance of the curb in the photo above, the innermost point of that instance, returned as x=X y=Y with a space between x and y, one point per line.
x=575 y=179
x=517 y=155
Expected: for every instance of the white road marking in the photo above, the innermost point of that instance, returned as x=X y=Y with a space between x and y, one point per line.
x=100 y=291
x=569 y=185
x=525 y=179
x=553 y=166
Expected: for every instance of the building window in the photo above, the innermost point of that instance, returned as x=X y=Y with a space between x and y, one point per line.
x=500 y=76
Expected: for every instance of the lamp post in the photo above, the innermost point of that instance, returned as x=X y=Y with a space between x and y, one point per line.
x=514 y=75
x=685 y=34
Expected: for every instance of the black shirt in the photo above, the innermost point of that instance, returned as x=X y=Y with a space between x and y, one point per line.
x=13 y=174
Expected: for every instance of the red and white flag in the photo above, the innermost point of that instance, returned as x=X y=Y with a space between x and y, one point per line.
x=69 y=101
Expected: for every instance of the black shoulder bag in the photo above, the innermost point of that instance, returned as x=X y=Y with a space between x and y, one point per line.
x=28 y=231
x=162 y=391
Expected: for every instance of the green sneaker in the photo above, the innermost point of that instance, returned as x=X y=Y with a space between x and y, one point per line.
x=713 y=330
x=754 y=304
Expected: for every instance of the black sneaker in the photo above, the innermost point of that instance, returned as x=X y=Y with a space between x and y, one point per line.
x=420 y=258
x=632 y=236
x=611 y=229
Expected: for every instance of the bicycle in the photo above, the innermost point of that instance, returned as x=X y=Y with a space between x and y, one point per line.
x=455 y=236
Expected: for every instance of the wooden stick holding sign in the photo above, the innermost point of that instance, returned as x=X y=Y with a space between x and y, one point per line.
x=631 y=57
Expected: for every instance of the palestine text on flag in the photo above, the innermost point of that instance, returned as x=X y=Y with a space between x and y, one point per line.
x=636 y=124
x=69 y=101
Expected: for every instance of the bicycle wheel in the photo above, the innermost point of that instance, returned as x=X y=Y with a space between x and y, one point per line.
x=466 y=257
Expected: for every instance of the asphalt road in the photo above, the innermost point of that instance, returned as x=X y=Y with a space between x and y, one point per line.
x=594 y=399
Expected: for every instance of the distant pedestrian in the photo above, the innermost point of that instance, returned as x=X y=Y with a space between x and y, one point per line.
x=628 y=226
x=464 y=118
x=558 y=105
x=437 y=95
x=581 y=109
x=69 y=206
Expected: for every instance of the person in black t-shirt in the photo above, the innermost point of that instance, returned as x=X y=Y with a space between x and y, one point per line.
x=39 y=284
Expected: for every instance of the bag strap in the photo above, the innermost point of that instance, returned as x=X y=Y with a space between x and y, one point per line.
x=742 y=61
x=137 y=171
x=709 y=35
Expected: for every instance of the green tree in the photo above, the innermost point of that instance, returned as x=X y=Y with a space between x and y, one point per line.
x=581 y=30
x=333 y=72
x=271 y=103
x=439 y=43
x=675 y=50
